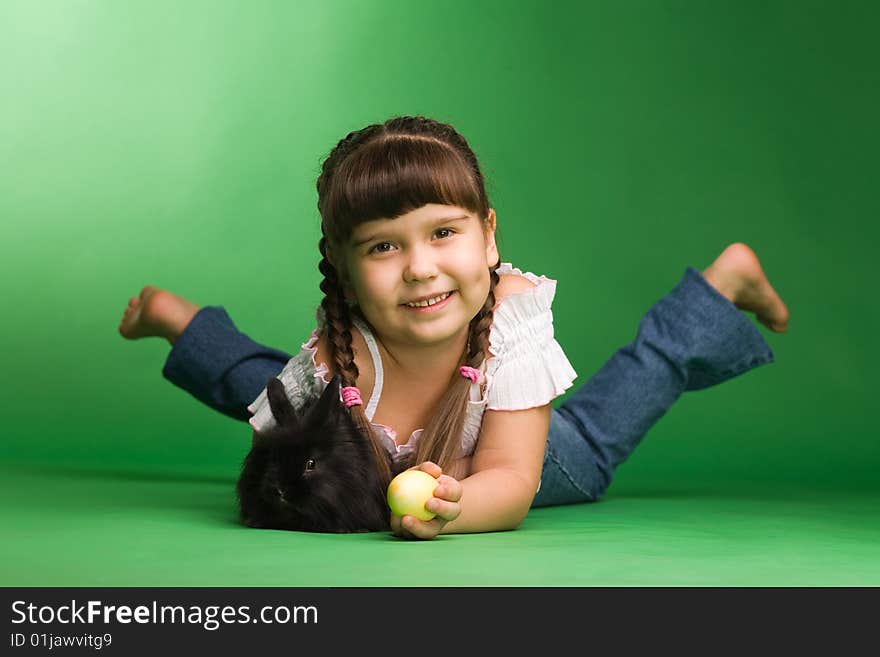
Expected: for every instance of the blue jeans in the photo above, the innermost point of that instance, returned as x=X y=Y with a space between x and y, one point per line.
x=692 y=338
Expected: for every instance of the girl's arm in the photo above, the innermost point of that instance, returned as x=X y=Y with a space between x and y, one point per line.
x=505 y=471
x=506 y=467
x=498 y=494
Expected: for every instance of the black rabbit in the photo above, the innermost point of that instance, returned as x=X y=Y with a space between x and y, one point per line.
x=316 y=473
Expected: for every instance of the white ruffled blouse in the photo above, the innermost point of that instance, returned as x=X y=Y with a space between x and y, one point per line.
x=526 y=368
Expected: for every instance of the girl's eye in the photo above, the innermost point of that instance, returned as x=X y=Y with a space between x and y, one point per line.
x=377 y=249
x=310 y=464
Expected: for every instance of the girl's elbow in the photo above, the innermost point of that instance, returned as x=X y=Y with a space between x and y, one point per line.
x=517 y=522
x=520 y=511
x=511 y=515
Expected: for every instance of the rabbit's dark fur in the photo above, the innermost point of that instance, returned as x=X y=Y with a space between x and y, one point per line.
x=312 y=473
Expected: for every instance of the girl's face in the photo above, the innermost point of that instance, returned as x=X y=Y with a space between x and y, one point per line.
x=425 y=253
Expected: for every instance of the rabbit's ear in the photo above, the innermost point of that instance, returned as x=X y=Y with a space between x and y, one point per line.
x=281 y=407
x=329 y=401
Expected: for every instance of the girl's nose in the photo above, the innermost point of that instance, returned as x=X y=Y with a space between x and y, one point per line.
x=420 y=265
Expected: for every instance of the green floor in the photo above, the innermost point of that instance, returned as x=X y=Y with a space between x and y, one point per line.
x=82 y=527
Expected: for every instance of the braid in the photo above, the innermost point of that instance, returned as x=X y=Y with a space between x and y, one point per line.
x=478 y=339
x=338 y=319
x=444 y=452
x=338 y=330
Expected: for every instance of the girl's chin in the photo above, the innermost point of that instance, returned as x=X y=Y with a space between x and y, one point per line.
x=442 y=332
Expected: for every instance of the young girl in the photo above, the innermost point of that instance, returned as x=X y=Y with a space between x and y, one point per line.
x=446 y=353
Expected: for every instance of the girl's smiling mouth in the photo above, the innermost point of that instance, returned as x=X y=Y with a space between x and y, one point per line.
x=431 y=305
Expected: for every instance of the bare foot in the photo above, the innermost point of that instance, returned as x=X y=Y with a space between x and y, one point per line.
x=157 y=313
x=738 y=275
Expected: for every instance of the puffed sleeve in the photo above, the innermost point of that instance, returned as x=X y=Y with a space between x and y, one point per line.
x=527 y=367
x=303 y=381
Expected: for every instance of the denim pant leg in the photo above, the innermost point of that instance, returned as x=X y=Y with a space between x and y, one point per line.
x=220 y=366
x=692 y=338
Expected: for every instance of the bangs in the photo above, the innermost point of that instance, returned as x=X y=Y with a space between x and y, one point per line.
x=395 y=175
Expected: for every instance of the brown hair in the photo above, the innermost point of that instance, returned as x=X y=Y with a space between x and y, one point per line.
x=385 y=171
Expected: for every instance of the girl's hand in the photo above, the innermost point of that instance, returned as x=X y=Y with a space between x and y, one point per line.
x=445 y=503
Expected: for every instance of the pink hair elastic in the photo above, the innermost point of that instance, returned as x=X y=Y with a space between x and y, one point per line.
x=471 y=373
x=351 y=396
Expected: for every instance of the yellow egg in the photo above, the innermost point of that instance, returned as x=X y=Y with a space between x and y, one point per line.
x=408 y=492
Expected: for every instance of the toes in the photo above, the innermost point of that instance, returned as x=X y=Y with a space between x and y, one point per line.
x=778 y=325
x=779 y=328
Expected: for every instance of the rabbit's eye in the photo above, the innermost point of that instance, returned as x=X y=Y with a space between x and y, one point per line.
x=310 y=464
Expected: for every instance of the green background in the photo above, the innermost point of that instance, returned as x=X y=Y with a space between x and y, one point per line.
x=177 y=144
